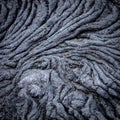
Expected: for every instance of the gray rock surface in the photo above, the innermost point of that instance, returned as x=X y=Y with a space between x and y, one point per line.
x=59 y=60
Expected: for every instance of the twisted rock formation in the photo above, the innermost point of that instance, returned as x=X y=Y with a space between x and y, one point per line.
x=59 y=60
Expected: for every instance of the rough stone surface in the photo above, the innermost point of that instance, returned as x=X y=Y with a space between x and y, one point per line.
x=59 y=60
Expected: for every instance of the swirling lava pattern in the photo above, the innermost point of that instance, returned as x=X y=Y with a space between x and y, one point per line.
x=59 y=60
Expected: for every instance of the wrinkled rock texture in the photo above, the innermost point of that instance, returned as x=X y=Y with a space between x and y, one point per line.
x=59 y=60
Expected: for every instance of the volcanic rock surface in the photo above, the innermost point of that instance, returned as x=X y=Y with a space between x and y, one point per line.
x=59 y=60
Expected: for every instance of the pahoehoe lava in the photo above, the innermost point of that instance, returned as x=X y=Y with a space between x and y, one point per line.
x=59 y=60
